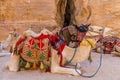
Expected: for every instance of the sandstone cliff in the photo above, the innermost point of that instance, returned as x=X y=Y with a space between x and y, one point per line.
x=22 y=14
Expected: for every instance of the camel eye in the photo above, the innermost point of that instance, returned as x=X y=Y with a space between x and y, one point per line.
x=82 y=29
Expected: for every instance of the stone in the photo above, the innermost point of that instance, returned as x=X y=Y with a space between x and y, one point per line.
x=22 y=14
x=39 y=14
x=106 y=13
x=83 y=12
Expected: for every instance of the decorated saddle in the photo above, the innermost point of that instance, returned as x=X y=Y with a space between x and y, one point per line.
x=117 y=48
x=107 y=43
x=34 y=52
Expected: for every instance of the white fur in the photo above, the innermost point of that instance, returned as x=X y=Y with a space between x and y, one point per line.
x=81 y=55
x=4 y=44
x=13 y=63
x=33 y=34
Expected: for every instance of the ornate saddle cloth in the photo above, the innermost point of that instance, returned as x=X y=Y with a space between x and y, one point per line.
x=34 y=52
x=108 y=44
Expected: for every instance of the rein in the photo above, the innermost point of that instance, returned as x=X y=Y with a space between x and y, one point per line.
x=92 y=75
x=89 y=76
x=77 y=35
x=81 y=74
x=67 y=63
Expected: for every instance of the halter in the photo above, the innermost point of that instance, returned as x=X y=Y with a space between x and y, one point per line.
x=81 y=29
x=72 y=35
x=65 y=36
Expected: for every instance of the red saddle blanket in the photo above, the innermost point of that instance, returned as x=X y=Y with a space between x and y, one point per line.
x=34 y=52
x=107 y=43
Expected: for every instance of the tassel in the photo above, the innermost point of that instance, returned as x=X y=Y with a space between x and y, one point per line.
x=27 y=65
x=41 y=66
x=90 y=59
x=34 y=54
x=34 y=65
x=22 y=63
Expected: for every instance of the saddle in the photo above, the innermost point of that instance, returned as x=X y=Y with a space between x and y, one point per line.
x=107 y=43
x=34 y=52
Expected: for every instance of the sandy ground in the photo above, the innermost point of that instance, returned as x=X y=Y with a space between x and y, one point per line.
x=110 y=70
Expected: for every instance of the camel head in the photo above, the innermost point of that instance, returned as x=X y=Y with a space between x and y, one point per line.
x=72 y=35
x=14 y=34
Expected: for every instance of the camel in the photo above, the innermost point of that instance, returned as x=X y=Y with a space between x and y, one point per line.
x=81 y=54
x=4 y=44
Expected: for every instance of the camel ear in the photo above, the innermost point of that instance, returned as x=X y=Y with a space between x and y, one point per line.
x=75 y=25
x=88 y=25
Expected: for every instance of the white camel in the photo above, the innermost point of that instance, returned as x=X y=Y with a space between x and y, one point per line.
x=29 y=32
x=4 y=44
x=82 y=54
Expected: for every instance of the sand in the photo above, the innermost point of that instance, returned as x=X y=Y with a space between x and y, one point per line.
x=110 y=70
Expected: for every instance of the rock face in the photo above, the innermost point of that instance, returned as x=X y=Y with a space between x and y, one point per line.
x=73 y=12
x=22 y=14
x=106 y=13
x=97 y=12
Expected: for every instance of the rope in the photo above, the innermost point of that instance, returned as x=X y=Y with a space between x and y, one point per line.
x=89 y=76
x=81 y=74
x=92 y=75
x=67 y=63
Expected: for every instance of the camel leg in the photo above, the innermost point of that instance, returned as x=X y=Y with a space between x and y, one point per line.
x=55 y=68
x=13 y=64
x=62 y=70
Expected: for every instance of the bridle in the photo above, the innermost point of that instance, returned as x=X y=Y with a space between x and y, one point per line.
x=84 y=30
x=67 y=35
x=73 y=34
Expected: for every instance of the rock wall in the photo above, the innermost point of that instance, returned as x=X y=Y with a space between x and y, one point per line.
x=22 y=14
x=74 y=12
x=106 y=13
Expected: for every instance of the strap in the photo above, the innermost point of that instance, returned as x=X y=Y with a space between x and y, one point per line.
x=67 y=63
x=89 y=76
